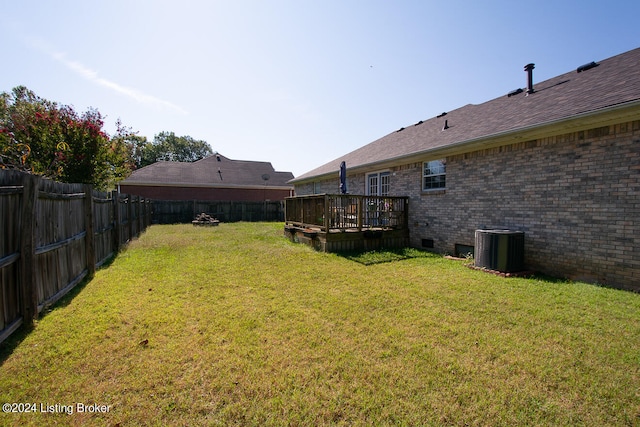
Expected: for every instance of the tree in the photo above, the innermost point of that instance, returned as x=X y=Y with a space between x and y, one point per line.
x=44 y=138
x=169 y=147
x=29 y=133
x=128 y=146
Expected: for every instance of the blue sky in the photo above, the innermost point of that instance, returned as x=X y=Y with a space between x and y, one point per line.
x=296 y=83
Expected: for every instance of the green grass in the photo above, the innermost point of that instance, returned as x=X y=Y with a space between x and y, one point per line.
x=385 y=255
x=235 y=325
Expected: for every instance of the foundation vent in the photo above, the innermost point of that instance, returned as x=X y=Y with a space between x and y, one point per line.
x=427 y=243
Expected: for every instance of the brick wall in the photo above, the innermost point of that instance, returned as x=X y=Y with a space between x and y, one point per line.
x=576 y=197
x=355 y=185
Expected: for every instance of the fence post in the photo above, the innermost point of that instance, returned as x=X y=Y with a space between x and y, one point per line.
x=130 y=217
x=144 y=215
x=149 y=212
x=117 y=220
x=140 y=215
x=29 y=296
x=88 y=224
x=146 y=212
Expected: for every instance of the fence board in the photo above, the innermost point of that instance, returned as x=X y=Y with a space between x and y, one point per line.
x=11 y=192
x=103 y=226
x=27 y=282
x=53 y=235
x=126 y=209
x=60 y=229
x=179 y=211
x=9 y=298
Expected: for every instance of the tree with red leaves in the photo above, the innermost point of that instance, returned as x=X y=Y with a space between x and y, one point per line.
x=44 y=138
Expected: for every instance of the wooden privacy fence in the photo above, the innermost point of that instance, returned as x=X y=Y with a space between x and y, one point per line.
x=53 y=235
x=177 y=211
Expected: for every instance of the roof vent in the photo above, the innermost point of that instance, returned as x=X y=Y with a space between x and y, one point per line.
x=514 y=92
x=586 y=67
x=441 y=115
x=446 y=125
x=400 y=130
x=419 y=123
x=529 y=69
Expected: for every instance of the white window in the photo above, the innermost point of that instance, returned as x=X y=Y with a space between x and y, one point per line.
x=378 y=184
x=316 y=187
x=372 y=184
x=434 y=174
x=385 y=179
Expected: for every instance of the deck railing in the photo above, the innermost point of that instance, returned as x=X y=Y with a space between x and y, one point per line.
x=340 y=212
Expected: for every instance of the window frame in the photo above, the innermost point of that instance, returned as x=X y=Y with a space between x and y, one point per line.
x=440 y=175
x=380 y=177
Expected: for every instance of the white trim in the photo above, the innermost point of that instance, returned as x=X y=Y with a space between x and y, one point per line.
x=378 y=175
x=423 y=176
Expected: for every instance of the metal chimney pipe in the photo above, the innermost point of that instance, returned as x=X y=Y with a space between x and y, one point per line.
x=529 y=69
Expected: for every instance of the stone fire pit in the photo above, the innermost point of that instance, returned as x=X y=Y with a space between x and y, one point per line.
x=204 y=219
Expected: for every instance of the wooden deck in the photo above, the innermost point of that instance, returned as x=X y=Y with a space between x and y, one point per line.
x=338 y=222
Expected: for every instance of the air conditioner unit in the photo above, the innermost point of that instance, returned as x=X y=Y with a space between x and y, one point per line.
x=500 y=250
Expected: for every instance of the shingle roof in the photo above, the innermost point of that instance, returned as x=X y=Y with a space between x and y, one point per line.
x=613 y=82
x=211 y=172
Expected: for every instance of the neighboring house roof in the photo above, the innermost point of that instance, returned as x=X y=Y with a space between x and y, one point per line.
x=213 y=171
x=595 y=97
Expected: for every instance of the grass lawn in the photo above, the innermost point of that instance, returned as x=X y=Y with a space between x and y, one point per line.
x=235 y=325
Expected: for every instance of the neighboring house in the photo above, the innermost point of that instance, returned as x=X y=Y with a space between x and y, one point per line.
x=214 y=178
x=558 y=160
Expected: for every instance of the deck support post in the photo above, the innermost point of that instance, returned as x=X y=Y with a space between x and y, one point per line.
x=326 y=213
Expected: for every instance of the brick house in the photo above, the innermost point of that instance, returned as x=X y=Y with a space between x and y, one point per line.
x=558 y=160
x=214 y=178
